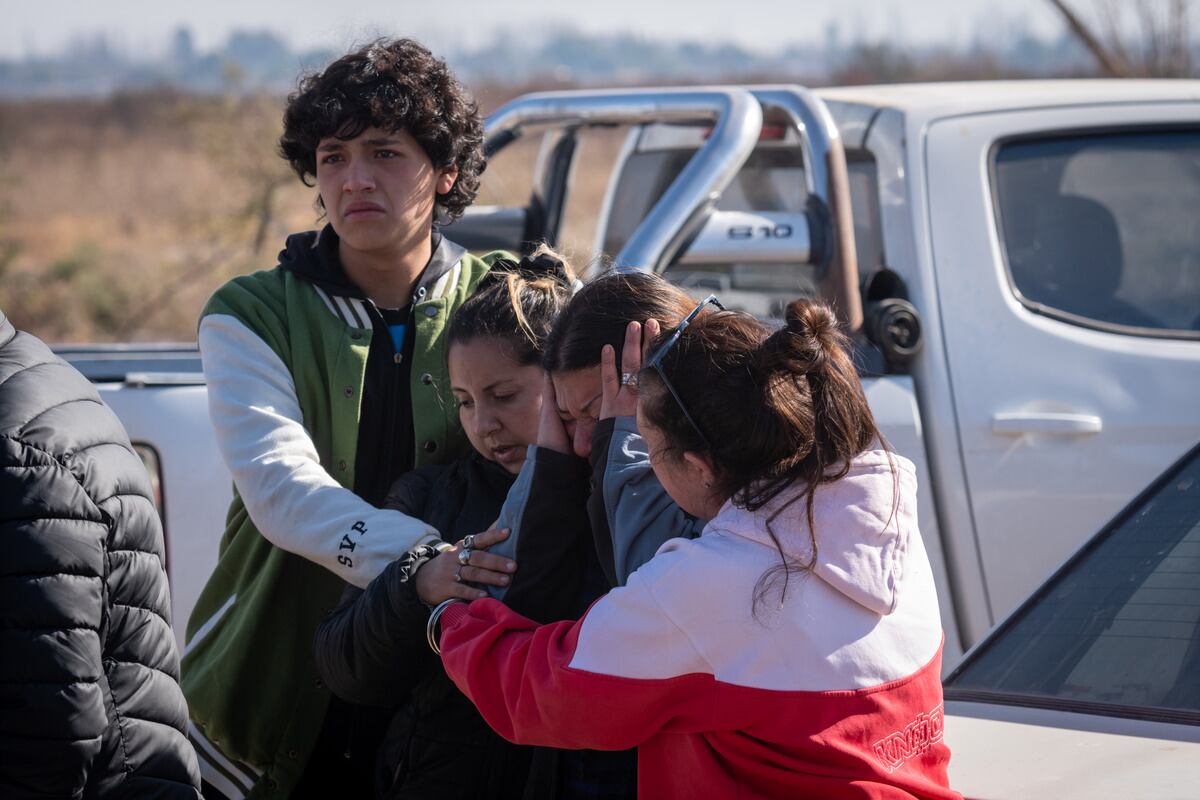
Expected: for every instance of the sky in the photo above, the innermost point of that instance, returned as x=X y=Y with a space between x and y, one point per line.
x=46 y=27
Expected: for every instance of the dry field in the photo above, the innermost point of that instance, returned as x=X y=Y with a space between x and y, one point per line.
x=119 y=217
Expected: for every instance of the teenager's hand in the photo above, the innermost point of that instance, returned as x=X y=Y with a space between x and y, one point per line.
x=552 y=434
x=617 y=399
x=436 y=579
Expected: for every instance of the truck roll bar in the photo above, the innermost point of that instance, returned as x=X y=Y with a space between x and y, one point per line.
x=736 y=118
x=829 y=184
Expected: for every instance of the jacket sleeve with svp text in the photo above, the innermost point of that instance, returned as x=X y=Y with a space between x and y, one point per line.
x=260 y=432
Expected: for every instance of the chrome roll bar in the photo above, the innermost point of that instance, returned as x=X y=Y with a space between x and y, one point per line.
x=828 y=183
x=736 y=118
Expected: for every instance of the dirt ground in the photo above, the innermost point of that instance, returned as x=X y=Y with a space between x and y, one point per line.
x=119 y=217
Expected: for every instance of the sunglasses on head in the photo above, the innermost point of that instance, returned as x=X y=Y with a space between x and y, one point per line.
x=655 y=361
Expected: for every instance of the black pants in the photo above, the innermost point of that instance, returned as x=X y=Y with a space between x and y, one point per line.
x=342 y=764
x=343 y=761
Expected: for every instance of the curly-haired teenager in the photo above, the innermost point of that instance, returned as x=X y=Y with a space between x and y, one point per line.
x=326 y=381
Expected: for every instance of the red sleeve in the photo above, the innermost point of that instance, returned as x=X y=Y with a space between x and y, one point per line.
x=521 y=677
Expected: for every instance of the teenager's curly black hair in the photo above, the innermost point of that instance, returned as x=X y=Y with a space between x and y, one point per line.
x=392 y=84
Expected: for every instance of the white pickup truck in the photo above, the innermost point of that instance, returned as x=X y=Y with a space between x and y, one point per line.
x=1020 y=263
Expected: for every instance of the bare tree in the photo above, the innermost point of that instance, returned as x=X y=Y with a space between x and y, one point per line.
x=1146 y=38
x=1112 y=63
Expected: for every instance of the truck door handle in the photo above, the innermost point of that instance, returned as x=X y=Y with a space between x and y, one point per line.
x=1018 y=423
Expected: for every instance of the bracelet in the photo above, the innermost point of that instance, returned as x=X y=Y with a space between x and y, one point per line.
x=431 y=626
x=416 y=558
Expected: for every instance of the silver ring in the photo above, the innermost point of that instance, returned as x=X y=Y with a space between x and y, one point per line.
x=629 y=379
x=458 y=578
x=469 y=541
x=464 y=556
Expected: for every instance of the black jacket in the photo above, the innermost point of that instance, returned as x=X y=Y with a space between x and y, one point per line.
x=385 y=431
x=90 y=704
x=372 y=648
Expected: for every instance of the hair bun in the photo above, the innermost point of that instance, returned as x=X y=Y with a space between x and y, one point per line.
x=541 y=264
x=809 y=335
x=811 y=320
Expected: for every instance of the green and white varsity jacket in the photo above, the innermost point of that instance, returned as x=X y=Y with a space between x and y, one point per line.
x=285 y=362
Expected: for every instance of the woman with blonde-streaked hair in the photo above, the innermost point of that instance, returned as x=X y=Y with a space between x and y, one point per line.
x=371 y=649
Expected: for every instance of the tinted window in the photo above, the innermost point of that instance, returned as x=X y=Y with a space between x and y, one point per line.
x=1104 y=228
x=1120 y=624
x=643 y=180
x=864 y=205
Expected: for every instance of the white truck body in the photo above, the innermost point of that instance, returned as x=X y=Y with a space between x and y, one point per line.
x=1006 y=751
x=194 y=484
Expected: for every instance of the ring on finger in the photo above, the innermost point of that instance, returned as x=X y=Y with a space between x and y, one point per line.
x=629 y=379
x=468 y=541
x=464 y=556
x=458 y=578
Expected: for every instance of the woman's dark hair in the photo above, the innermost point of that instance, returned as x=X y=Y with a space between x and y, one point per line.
x=516 y=302
x=392 y=84
x=600 y=312
x=777 y=409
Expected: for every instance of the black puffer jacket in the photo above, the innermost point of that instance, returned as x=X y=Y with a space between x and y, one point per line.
x=90 y=704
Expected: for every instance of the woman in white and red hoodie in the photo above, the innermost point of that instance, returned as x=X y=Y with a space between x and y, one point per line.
x=794 y=648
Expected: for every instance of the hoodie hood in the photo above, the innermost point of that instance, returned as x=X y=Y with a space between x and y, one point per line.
x=313 y=255
x=864 y=523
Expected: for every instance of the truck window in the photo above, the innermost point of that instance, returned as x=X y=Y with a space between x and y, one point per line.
x=595 y=159
x=864 y=203
x=1100 y=230
x=1118 y=626
x=644 y=178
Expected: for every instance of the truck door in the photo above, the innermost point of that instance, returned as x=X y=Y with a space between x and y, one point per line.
x=1067 y=256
